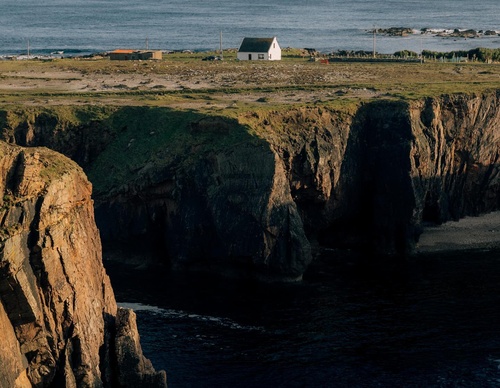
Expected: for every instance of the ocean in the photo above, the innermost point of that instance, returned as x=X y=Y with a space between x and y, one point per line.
x=426 y=322
x=79 y=27
x=432 y=322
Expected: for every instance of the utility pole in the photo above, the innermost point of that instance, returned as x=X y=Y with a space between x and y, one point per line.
x=374 y=42
x=220 y=47
x=147 y=43
x=28 y=49
x=421 y=49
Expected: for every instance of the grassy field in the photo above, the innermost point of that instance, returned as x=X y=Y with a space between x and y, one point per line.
x=200 y=97
x=185 y=81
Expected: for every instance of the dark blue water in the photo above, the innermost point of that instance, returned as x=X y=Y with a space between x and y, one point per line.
x=428 y=322
x=82 y=26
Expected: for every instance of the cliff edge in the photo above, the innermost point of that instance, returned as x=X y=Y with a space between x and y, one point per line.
x=369 y=178
x=256 y=190
x=59 y=320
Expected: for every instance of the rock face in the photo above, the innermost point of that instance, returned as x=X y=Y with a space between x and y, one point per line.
x=60 y=129
x=454 y=156
x=258 y=194
x=393 y=31
x=58 y=314
x=232 y=210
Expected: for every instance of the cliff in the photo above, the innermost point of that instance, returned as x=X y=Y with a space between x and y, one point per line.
x=257 y=191
x=59 y=320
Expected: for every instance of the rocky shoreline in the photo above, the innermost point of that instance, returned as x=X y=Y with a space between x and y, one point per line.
x=444 y=33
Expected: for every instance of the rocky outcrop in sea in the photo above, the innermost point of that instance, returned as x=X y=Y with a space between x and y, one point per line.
x=59 y=320
x=443 y=33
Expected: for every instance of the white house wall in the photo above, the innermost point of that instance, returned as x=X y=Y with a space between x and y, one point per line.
x=275 y=51
x=274 y=54
x=243 y=56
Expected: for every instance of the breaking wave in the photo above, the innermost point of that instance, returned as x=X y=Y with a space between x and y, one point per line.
x=183 y=315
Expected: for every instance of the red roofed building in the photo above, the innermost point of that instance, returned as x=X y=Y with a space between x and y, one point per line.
x=131 y=55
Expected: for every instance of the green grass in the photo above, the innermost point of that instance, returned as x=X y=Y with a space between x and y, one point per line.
x=54 y=166
x=147 y=139
x=156 y=127
x=230 y=78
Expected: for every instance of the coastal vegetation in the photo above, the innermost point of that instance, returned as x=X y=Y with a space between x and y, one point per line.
x=71 y=96
x=184 y=80
x=477 y=54
x=178 y=148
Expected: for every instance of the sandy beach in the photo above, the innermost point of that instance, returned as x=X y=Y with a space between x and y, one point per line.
x=470 y=233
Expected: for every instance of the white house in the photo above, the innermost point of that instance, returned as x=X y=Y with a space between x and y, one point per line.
x=254 y=49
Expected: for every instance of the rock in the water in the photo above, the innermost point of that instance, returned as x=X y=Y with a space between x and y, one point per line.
x=134 y=369
x=57 y=308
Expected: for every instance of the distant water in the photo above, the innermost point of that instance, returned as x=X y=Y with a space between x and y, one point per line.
x=89 y=26
x=431 y=322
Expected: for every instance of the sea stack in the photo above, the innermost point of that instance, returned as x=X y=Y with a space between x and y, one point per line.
x=59 y=320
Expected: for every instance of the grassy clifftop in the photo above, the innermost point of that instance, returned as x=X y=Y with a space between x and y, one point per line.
x=191 y=83
x=117 y=145
x=120 y=119
x=113 y=144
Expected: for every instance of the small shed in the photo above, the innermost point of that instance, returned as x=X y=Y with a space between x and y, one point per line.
x=255 y=49
x=126 y=54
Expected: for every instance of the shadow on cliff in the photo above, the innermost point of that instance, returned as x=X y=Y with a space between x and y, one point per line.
x=196 y=188
x=395 y=179
x=79 y=132
x=201 y=192
x=376 y=199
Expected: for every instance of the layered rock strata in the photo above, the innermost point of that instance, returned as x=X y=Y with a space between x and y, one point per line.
x=58 y=317
x=363 y=180
x=257 y=194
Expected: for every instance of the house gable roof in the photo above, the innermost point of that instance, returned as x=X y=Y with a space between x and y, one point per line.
x=254 y=45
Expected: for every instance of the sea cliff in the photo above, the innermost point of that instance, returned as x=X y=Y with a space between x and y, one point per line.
x=257 y=191
x=59 y=320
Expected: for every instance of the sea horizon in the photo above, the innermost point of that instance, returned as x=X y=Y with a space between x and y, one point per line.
x=81 y=27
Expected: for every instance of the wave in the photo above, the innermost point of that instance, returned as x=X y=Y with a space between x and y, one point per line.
x=179 y=314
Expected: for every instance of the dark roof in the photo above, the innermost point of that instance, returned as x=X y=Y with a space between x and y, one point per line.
x=254 y=45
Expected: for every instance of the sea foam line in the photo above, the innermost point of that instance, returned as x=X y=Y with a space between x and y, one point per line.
x=179 y=314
